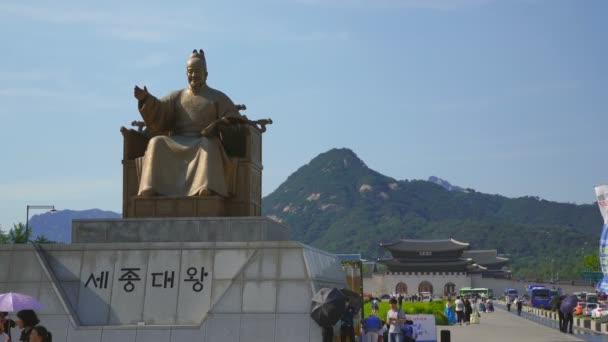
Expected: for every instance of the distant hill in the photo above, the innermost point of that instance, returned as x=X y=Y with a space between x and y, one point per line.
x=57 y=226
x=445 y=184
x=336 y=202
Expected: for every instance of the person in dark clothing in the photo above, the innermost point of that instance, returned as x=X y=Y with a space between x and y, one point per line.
x=328 y=334
x=27 y=320
x=562 y=321
x=40 y=334
x=569 y=320
x=400 y=300
x=555 y=305
x=347 y=327
x=408 y=331
x=7 y=323
x=468 y=310
x=520 y=304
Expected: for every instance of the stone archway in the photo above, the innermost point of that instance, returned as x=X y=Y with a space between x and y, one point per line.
x=401 y=288
x=449 y=289
x=425 y=286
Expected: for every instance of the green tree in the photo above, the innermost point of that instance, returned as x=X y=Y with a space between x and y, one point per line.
x=3 y=237
x=592 y=262
x=19 y=233
x=43 y=239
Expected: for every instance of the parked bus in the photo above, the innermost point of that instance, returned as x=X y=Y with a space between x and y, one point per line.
x=540 y=296
x=511 y=293
x=466 y=292
x=476 y=292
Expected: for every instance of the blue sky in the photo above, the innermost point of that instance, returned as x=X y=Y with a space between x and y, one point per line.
x=506 y=97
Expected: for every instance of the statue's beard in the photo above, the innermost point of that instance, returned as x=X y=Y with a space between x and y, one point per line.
x=196 y=84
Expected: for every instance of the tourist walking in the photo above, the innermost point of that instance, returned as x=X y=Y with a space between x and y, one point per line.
x=468 y=310
x=372 y=326
x=489 y=306
x=449 y=313
x=569 y=320
x=3 y=336
x=7 y=324
x=395 y=317
x=459 y=308
x=509 y=302
x=327 y=334
x=40 y=334
x=408 y=331
x=475 y=316
x=26 y=321
x=375 y=305
x=347 y=327
x=519 y=305
x=556 y=303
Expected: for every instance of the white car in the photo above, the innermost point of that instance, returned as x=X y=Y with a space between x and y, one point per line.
x=588 y=308
x=601 y=310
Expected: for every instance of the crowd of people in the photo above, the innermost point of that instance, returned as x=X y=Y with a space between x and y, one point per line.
x=519 y=303
x=467 y=311
x=396 y=327
x=28 y=322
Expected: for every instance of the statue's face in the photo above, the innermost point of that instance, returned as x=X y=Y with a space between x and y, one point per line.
x=196 y=77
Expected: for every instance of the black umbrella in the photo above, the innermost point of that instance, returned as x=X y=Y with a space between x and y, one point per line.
x=327 y=306
x=556 y=302
x=353 y=297
x=568 y=304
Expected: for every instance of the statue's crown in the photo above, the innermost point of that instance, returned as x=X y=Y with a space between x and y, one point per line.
x=197 y=58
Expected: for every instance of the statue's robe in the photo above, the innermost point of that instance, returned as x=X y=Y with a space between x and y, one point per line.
x=184 y=163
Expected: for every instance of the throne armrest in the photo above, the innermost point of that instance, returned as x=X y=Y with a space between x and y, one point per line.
x=243 y=142
x=135 y=143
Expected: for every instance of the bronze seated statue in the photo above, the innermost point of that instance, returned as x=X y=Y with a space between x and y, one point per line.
x=242 y=144
x=198 y=156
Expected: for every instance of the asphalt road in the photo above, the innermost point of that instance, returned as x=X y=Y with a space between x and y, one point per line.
x=503 y=326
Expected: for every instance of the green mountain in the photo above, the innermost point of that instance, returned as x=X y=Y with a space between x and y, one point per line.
x=337 y=203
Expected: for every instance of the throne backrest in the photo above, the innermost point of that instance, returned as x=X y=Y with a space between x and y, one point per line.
x=242 y=143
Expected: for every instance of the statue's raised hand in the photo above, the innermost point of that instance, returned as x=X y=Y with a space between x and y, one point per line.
x=140 y=94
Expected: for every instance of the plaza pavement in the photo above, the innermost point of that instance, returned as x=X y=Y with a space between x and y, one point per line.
x=503 y=326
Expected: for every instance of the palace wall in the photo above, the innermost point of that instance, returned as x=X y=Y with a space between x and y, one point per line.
x=384 y=283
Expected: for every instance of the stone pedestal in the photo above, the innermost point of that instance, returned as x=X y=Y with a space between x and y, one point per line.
x=180 y=279
x=192 y=229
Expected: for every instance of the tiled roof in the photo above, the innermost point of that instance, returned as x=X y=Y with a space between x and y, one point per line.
x=486 y=257
x=409 y=245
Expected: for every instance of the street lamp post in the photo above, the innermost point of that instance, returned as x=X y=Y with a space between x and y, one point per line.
x=51 y=208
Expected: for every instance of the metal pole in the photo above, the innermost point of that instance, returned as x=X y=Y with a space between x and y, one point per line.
x=27 y=216
x=27 y=211
x=360 y=264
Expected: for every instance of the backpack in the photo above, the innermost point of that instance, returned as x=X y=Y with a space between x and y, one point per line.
x=408 y=333
x=373 y=323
